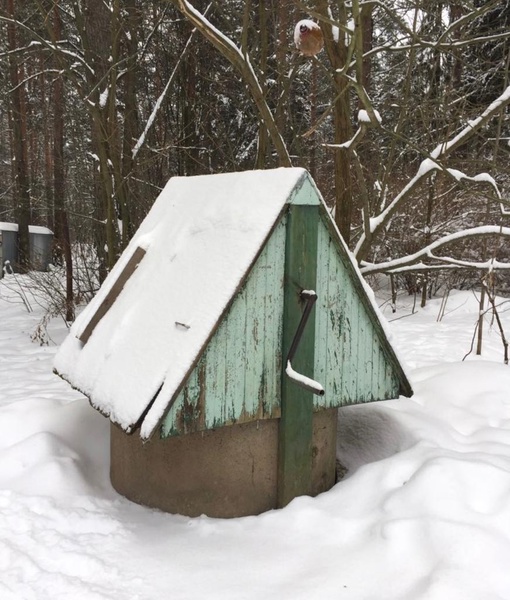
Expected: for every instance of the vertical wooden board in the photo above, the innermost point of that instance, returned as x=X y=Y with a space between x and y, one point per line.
x=332 y=337
x=322 y=345
x=376 y=384
x=366 y=334
x=273 y=322
x=383 y=374
x=336 y=366
x=256 y=307
x=295 y=428
x=180 y=416
x=367 y=387
x=255 y=304
x=227 y=409
x=216 y=375
x=358 y=353
x=349 y=343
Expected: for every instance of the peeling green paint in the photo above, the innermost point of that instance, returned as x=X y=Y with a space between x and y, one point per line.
x=242 y=364
x=238 y=377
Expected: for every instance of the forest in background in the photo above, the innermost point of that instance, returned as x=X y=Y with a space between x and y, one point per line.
x=402 y=120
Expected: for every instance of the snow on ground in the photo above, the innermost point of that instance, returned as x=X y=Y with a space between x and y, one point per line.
x=423 y=513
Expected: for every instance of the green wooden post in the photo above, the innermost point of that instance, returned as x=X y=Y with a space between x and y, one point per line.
x=295 y=433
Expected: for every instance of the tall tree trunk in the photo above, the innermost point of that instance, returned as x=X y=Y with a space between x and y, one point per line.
x=337 y=50
x=62 y=236
x=263 y=138
x=47 y=148
x=20 y=171
x=130 y=129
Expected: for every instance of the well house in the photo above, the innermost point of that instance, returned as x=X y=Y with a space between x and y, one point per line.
x=224 y=341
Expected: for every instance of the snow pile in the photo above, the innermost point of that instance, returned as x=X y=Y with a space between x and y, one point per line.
x=422 y=514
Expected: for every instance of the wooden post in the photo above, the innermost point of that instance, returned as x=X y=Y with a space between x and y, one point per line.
x=295 y=432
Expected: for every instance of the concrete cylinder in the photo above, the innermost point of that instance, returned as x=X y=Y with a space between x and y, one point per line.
x=226 y=472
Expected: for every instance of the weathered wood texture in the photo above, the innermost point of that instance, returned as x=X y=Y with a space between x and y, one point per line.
x=238 y=377
x=353 y=360
x=295 y=433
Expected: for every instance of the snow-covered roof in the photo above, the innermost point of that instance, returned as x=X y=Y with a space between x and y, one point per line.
x=4 y=226
x=200 y=239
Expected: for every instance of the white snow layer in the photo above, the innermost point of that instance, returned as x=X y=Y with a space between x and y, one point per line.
x=364 y=117
x=200 y=237
x=423 y=513
x=297 y=32
x=31 y=228
x=303 y=380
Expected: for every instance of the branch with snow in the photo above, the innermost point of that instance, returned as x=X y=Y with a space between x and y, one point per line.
x=442 y=43
x=414 y=261
x=159 y=101
x=242 y=63
x=377 y=224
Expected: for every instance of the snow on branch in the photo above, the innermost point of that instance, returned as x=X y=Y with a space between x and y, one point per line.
x=472 y=126
x=159 y=101
x=365 y=120
x=376 y=224
x=480 y=178
x=242 y=63
x=353 y=142
x=54 y=46
x=414 y=261
x=414 y=39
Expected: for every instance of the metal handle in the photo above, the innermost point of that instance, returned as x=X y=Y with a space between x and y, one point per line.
x=302 y=380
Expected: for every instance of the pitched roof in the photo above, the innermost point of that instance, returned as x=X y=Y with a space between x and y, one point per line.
x=177 y=276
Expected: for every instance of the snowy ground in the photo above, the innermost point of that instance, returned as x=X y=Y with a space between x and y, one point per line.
x=423 y=514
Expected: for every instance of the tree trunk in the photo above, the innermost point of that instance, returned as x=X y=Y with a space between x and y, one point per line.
x=62 y=236
x=337 y=51
x=20 y=170
x=130 y=132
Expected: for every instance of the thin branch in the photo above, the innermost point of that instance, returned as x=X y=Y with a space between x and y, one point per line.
x=428 y=252
x=141 y=140
x=441 y=151
x=242 y=63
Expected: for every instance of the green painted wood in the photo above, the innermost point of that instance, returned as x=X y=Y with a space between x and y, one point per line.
x=295 y=428
x=305 y=193
x=238 y=377
x=353 y=358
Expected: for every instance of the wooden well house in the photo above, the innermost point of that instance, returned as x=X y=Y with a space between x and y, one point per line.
x=224 y=341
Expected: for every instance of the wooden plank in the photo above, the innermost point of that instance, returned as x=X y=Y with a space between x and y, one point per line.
x=360 y=364
x=322 y=347
x=216 y=376
x=239 y=381
x=295 y=430
x=113 y=294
